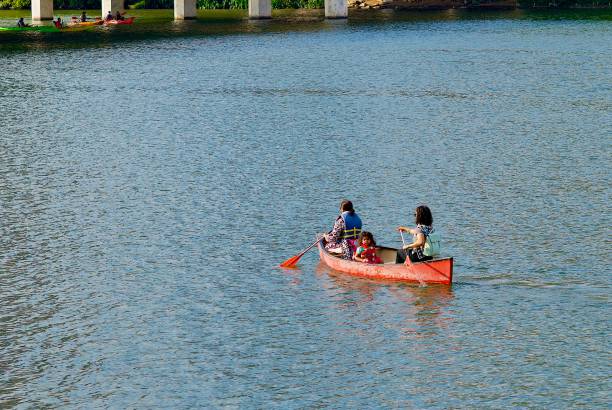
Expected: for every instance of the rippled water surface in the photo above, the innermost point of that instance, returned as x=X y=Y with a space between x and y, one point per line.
x=153 y=177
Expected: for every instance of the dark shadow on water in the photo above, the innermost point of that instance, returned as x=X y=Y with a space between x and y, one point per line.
x=154 y=25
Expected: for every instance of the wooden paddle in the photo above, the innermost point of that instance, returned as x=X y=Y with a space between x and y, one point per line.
x=408 y=262
x=292 y=261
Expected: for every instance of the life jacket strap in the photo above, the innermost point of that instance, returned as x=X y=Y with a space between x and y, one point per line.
x=351 y=233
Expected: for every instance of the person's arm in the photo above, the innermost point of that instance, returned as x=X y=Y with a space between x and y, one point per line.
x=357 y=255
x=334 y=235
x=407 y=229
x=418 y=243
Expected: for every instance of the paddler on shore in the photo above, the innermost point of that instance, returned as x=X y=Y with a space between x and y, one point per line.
x=345 y=232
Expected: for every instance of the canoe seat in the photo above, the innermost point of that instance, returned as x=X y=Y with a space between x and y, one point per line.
x=336 y=251
x=387 y=254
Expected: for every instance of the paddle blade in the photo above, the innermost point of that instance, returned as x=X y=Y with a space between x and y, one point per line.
x=291 y=262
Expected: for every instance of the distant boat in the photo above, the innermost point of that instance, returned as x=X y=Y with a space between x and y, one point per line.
x=85 y=23
x=128 y=20
x=439 y=270
x=77 y=26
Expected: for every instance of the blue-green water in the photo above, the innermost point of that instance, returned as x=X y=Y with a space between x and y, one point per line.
x=151 y=180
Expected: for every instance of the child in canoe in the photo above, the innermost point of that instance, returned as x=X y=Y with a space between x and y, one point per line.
x=366 y=252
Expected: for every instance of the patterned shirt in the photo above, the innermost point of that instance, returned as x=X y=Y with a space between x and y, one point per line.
x=425 y=230
x=334 y=239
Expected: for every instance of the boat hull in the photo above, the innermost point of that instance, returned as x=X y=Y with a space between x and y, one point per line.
x=438 y=271
x=86 y=24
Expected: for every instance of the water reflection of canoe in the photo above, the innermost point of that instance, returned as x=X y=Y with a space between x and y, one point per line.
x=71 y=28
x=45 y=29
x=128 y=20
x=434 y=271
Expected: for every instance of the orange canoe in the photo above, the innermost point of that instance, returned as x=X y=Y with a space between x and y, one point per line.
x=85 y=23
x=438 y=270
x=128 y=20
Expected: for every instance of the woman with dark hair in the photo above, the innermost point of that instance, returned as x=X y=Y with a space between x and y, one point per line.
x=424 y=228
x=347 y=229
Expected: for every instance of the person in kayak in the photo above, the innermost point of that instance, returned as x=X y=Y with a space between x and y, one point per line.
x=367 y=249
x=21 y=23
x=119 y=17
x=58 y=23
x=83 y=17
x=109 y=16
x=424 y=227
x=346 y=230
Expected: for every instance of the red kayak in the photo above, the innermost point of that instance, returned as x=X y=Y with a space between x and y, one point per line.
x=439 y=270
x=128 y=20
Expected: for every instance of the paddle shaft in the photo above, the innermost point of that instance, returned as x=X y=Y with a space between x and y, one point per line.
x=291 y=262
x=310 y=247
x=408 y=261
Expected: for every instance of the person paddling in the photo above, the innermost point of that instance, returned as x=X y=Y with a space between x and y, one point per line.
x=21 y=23
x=424 y=229
x=346 y=230
x=83 y=17
x=109 y=16
x=119 y=17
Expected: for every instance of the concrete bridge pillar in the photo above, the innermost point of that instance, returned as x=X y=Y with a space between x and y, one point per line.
x=260 y=9
x=42 y=10
x=336 y=9
x=184 y=9
x=113 y=6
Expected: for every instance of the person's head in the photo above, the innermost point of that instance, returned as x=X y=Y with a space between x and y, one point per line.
x=346 y=206
x=422 y=215
x=367 y=239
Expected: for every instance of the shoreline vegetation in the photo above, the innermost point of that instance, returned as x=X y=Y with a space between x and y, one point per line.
x=148 y=18
x=317 y=4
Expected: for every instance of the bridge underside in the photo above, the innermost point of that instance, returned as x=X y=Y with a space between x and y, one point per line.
x=186 y=9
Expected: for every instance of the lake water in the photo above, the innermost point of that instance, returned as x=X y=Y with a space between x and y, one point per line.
x=152 y=178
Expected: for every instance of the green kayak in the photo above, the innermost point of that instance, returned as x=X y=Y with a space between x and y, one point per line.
x=46 y=29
